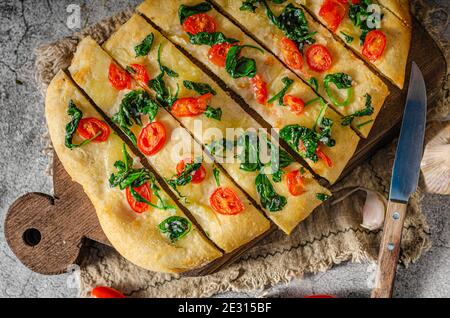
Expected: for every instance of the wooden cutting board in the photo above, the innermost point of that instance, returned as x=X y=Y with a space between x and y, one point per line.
x=46 y=233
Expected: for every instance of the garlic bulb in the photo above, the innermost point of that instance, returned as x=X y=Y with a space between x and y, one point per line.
x=374 y=209
x=435 y=164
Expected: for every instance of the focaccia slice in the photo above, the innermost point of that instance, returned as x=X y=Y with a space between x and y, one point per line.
x=400 y=8
x=135 y=236
x=274 y=75
x=299 y=58
x=392 y=62
x=122 y=46
x=228 y=229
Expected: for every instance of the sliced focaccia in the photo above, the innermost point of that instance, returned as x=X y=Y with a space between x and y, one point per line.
x=372 y=31
x=221 y=209
x=291 y=102
x=161 y=239
x=210 y=130
x=316 y=57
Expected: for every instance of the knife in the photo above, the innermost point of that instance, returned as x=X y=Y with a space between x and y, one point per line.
x=405 y=178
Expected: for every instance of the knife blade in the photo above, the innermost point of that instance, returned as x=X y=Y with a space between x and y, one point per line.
x=406 y=170
x=405 y=177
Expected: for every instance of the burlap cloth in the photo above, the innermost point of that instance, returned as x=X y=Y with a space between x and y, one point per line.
x=331 y=235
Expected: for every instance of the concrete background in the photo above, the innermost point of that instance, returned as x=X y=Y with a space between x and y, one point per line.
x=27 y=24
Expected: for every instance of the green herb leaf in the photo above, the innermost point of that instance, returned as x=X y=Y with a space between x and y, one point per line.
x=280 y=95
x=348 y=38
x=185 y=177
x=367 y=111
x=213 y=113
x=163 y=94
x=205 y=38
x=165 y=69
x=144 y=48
x=270 y=200
x=175 y=227
x=322 y=197
x=186 y=11
x=276 y=177
x=314 y=83
x=240 y=66
x=216 y=173
x=342 y=81
x=200 y=88
x=362 y=18
x=71 y=127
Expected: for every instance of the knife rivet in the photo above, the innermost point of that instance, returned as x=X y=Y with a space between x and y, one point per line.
x=396 y=216
x=391 y=246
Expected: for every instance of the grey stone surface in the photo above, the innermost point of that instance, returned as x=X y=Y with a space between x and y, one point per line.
x=26 y=24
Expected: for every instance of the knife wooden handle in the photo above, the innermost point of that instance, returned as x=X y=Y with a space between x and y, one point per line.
x=389 y=250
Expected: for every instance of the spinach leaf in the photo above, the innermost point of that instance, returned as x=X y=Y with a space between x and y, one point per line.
x=186 y=11
x=200 y=88
x=270 y=200
x=165 y=69
x=342 y=81
x=362 y=18
x=135 y=104
x=219 y=148
x=71 y=127
x=213 y=113
x=348 y=38
x=314 y=83
x=249 y=156
x=163 y=94
x=322 y=196
x=276 y=177
x=296 y=134
x=324 y=136
x=185 y=177
x=205 y=38
x=175 y=227
x=144 y=48
x=216 y=173
x=240 y=66
x=280 y=95
x=367 y=111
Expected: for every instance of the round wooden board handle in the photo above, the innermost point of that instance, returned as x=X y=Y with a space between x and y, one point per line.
x=46 y=233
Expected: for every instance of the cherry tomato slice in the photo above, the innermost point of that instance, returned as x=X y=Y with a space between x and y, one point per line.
x=294 y=181
x=291 y=54
x=140 y=73
x=89 y=127
x=191 y=106
x=145 y=192
x=374 y=45
x=197 y=177
x=333 y=12
x=296 y=104
x=118 y=78
x=106 y=292
x=217 y=54
x=260 y=88
x=152 y=138
x=318 y=58
x=225 y=201
x=324 y=157
x=200 y=22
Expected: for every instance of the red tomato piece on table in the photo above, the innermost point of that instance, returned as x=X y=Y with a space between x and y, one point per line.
x=333 y=12
x=140 y=73
x=374 y=45
x=119 y=78
x=106 y=292
x=291 y=54
x=152 y=138
x=318 y=58
x=260 y=89
x=225 y=201
x=200 y=22
x=217 y=54
x=296 y=104
x=294 y=181
x=197 y=176
x=145 y=192
x=89 y=127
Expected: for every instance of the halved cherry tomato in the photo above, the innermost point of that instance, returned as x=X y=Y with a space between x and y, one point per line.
x=200 y=22
x=225 y=201
x=217 y=54
x=296 y=104
x=152 y=138
x=333 y=12
x=291 y=54
x=197 y=176
x=89 y=127
x=294 y=181
x=106 y=292
x=140 y=74
x=260 y=88
x=324 y=157
x=119 y=78
x=191 y=106
x=145 y=192
x=374 y=45
x=318 y=58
